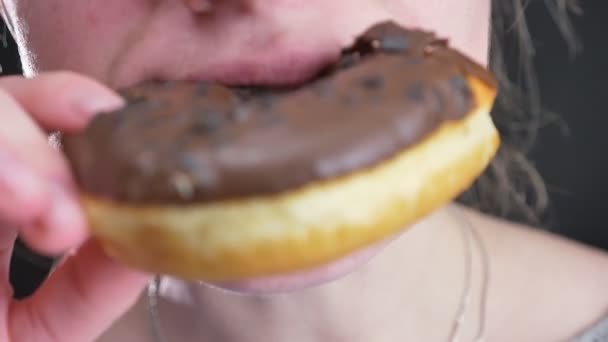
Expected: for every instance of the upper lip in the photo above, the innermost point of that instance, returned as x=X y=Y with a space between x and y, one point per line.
x=279 y=69
x=282 y=66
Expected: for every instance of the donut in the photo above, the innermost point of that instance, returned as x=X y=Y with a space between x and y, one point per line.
x=216 y=182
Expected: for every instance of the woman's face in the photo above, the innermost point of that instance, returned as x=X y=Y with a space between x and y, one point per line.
x=122 y=42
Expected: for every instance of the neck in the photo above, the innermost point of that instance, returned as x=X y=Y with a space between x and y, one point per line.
x=410 y=291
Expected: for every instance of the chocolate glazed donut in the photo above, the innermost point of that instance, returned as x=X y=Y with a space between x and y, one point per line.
x=209 y=182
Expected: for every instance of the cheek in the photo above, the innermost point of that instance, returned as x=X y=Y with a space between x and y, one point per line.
x=468 y=22
x=465 y=22
x=82 y=36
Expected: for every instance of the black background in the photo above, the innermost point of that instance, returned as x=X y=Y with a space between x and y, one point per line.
x=574 y=166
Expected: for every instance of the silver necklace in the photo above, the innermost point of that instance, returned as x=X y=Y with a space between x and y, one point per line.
x=154 y=315
x=470 y=235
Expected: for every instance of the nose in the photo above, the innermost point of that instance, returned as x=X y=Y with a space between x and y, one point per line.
x=198 y=6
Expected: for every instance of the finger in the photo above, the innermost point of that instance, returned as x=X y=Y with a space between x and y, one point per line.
x=35 y=184
x=23 y=194
x=53 y=101
x=24 y=141
x=61 y=100
x=79 y=301
x=8 y=235
x=38 y=190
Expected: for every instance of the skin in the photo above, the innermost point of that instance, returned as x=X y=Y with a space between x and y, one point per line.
x=543 y=288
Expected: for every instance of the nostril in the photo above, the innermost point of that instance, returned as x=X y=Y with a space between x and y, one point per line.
x=198 y=6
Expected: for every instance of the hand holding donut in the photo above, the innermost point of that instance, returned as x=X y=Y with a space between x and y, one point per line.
x=38 y=202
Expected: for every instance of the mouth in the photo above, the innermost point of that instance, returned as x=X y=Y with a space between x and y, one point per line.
x=281 y=70
x=274 y=64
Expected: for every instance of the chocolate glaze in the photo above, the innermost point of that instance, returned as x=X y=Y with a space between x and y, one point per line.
x=181 y=142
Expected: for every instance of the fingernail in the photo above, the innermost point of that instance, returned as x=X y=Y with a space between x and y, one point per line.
x=65 y=212
x=99 y=103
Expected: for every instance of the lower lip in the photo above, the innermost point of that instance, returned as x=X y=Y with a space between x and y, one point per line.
x=308 y=278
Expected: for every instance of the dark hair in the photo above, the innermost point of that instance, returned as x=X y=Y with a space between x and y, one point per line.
x=511 y=187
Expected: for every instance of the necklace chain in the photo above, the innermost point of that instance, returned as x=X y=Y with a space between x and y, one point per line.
x=153 y=291
x=469 y=234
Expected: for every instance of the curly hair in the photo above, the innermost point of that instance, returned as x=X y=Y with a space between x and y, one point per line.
x=511 y=187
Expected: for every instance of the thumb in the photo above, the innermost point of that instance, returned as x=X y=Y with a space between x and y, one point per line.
x=79 y=301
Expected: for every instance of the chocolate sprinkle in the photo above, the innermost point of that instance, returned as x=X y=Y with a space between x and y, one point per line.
x=372 y=82
x=415 y=92
x=206 y=122
x=394 y=44
x=202 y=89
x=461 y=86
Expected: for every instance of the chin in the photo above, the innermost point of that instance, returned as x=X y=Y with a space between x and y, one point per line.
x=306 y=279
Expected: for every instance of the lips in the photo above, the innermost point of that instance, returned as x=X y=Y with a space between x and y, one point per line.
x=270 y=61
x=282 y=69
